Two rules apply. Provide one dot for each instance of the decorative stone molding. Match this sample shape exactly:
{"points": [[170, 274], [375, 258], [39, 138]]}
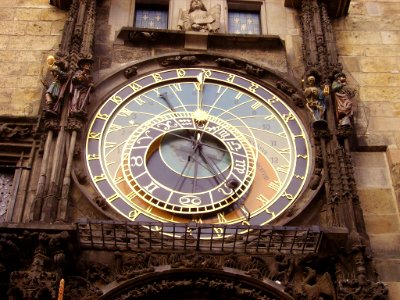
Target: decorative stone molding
{"points": [[335, 8]]}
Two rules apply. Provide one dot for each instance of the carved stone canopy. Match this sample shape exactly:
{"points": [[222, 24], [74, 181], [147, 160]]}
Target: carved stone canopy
{"points": [[336, 8]]}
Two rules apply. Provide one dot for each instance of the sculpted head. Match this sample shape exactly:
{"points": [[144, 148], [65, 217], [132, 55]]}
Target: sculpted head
{"points": [[311, 80], [196, 5]]}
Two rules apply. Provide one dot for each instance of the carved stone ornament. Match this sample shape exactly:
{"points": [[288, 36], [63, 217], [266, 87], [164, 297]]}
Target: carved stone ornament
{"points": [[178, 60], [198, 18], [51, 124], [76, 122], [296, 98], [14, 131], [129, 72], [40, 279]]}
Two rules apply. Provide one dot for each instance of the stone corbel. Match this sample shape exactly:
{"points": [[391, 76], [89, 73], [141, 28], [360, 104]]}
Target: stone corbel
{"points": [[61, 4]]}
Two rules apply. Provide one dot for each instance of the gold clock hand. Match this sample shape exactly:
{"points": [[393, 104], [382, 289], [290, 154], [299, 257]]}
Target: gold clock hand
{"points": [[200, 79], [190, 156], [213, 167]]}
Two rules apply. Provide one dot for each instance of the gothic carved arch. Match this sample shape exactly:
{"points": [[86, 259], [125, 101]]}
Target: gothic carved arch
{"points": [[196, 284]]}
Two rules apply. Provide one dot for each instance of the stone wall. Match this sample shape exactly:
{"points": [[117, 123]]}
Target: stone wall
{"points": [[368, 41], [30, 30]]}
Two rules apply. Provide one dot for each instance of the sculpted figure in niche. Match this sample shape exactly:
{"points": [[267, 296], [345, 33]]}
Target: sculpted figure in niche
{"points": [[343, 96], [55, 91], [82, 83], [315, 98], [198, 18]]}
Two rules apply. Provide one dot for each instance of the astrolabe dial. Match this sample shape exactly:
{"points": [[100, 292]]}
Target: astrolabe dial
{"points": [[183, 166], [198, 144]]}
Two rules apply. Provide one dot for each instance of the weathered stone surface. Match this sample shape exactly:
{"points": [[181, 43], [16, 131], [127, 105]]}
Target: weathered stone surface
{"points": [[32, 3], [373, 9], [7, 14], [390, 37], [33, 43], [29, 31], [363, 22], [394, 290], [369, 160], [382, 109], [388, 93], [351, 64], [382, 50], [377, 79], [276, 26], [385, 245], [351, 50], [11, 3], [379, 64], [38, 28], [28, 14], [358, 37], [372, 178], [367, 139], [390, 8], [377, 201], [357, 8], [384, 123], [382, 224], [393, 154], [388, 270], [370, 170]]}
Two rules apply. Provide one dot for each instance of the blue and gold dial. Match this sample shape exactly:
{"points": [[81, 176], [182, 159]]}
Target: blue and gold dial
{"points": [[197, 144]]}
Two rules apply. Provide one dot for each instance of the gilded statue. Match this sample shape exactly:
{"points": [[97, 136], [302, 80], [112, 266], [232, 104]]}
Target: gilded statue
{"points": [[315, 99]]}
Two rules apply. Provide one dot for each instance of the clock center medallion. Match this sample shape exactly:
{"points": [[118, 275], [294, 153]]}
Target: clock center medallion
{"points": [[182, 147]]}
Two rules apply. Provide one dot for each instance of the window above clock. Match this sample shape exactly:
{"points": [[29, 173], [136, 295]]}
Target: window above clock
{"points": [[221, 16], [244, 17], [154, 16]]}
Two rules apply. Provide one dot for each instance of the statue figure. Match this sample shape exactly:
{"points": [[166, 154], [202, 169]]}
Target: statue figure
{"points": [[344, 104], [197, 18], [55, 91], [82, 83], [315, 99]]}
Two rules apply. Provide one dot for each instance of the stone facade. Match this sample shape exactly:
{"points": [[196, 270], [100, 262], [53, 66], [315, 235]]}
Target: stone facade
{"points": [[368, 43], [30, 31]]}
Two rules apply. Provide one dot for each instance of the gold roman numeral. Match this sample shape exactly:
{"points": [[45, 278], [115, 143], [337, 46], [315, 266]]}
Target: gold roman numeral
{"points": [[274, 185], [263, 199]]}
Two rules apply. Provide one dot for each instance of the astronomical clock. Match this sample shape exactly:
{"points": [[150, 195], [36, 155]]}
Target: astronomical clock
{"points": [[202, 145]]}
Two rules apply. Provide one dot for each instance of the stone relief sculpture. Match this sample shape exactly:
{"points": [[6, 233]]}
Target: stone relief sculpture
{"points": [[343, 100], [198, 18], [315, 99], [8, 131], [82, 83]]}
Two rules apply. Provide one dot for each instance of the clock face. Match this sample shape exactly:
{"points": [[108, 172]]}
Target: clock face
{"points": [[194, 144]]}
